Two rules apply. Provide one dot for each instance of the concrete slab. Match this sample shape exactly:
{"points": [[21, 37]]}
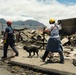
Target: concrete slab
{"points": [[64, 69], [63, 41]]}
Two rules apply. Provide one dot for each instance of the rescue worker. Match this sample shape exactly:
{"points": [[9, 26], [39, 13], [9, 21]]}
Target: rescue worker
{"points": [[9, 40], [54, 43]]}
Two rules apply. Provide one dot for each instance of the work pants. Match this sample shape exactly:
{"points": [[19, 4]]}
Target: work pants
{"points": [[60, 53], [10, 43]]}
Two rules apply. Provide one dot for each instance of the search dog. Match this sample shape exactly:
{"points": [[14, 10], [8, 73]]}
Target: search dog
{"points": [[31, 49]]}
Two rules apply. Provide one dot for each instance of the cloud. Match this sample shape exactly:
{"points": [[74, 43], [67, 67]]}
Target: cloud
{"points": [[40, 10]]}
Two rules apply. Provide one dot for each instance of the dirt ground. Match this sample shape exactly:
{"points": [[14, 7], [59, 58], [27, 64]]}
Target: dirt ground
{"points": [[18, 70]]}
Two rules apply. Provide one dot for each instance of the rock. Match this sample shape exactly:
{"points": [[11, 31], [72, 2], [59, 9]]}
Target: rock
{"points": [[74, 62], [23, 74], [64, 40], [75, 55], [72, 49], [13, 71]]}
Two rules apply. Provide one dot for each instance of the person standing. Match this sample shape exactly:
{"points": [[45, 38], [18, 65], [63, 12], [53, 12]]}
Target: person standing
{"points": [[9, 40], [54, 43]]}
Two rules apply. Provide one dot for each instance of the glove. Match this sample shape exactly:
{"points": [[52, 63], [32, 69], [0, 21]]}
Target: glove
{"points": [[4, 41]]}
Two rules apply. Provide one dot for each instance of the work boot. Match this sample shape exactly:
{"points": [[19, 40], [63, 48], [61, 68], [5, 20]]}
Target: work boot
{"points": [[16, 54], [42, 59], [61, 57], [62, 62], [4, 57]]}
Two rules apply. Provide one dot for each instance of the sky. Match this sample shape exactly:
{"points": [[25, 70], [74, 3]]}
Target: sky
{"points": [[40, 10]]}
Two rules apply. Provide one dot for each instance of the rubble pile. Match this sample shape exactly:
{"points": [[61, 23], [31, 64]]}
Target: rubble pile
{"points": [[35, 37], [69, 47], [69, 40]]}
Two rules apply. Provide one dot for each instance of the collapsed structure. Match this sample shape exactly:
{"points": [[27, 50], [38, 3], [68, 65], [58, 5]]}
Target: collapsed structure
{"points": [[68, 26]]}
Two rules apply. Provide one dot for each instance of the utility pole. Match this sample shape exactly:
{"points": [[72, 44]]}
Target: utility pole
{"points": [[1, 26]]}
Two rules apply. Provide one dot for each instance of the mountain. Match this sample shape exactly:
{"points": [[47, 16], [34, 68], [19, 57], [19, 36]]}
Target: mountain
{"points": [[28, 23], [2, 21], [33, 23], [18, 22]]}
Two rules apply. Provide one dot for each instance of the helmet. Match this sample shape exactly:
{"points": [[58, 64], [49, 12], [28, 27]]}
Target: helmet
{"points": [[9, 22], [52, 21]]}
